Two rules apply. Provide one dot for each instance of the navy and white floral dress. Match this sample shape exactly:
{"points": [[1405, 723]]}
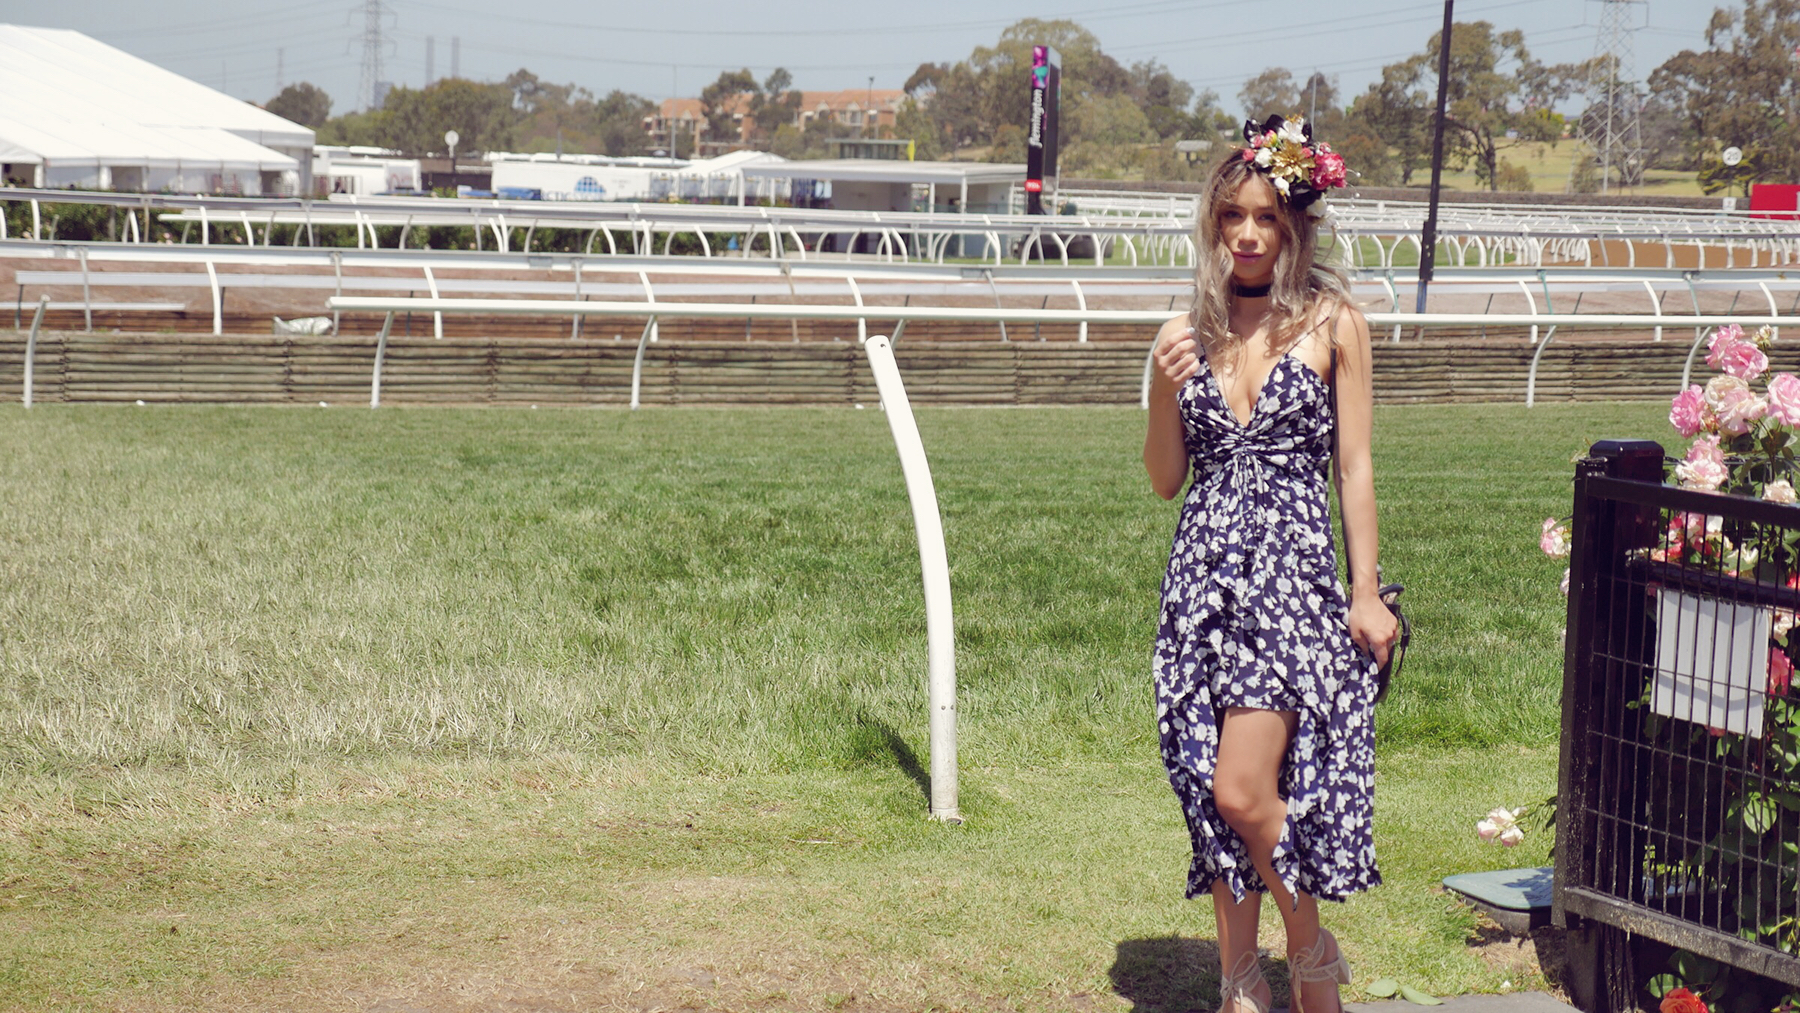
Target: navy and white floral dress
{"points": [[1253, 614]]}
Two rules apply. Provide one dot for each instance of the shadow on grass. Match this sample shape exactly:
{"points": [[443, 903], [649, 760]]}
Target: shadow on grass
{"points": [[904, 757], [1167, 974]]}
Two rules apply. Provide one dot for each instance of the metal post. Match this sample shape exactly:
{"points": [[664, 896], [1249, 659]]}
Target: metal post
{"points": [[87, 301], [940, 628], [218, 299], [997, 304], [862, 323], [1428, 237], [380, 356], [437, 318], [637, 365], [37, 320], [575, 325]]}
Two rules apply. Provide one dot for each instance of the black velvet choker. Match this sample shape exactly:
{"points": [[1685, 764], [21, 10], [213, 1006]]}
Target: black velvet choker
{"points": [[1250, 291]]}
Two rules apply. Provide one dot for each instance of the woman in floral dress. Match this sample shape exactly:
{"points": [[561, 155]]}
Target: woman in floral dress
{"points": [[1265, 666]]}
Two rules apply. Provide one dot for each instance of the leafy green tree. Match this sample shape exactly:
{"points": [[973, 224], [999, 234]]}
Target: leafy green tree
{"points": [[776, 103], [1499, 97], [719, 99], [1271, 91], [1162, 97], [617, 123], [303, 103], [915, 124], [1112, 131], [483, 114], [1387, 134], [370, 127], [1743, 90]]}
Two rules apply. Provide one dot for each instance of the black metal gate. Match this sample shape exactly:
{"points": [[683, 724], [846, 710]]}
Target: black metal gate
{"points": [[1679, 811]]}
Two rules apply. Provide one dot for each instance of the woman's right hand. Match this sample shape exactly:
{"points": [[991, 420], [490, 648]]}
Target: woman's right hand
{"points": [[1177, 357]]}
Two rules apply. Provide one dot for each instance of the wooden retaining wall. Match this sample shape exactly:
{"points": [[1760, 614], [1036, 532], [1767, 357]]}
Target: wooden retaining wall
{"points": [[77, 367]]}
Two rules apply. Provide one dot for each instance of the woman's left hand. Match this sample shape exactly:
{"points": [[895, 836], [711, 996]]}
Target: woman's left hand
{"points": [[1373, 627]]}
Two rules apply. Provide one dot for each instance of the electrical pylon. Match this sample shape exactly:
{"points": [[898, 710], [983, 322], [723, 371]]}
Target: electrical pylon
{"points": [[373, 47], [1611, 129]]}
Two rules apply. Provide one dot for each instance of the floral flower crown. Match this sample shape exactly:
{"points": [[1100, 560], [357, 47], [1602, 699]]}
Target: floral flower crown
{"points": [[1301, 170]]}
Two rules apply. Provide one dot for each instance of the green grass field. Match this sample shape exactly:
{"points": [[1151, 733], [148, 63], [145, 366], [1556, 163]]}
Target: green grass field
{"points": [[446, 709]]}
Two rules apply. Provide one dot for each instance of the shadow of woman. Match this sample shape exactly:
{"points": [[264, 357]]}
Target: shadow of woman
{"points": [[1171, 974]]}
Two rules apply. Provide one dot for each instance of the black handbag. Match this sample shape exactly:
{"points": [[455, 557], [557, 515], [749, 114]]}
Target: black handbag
{"points": [[1384, 676]]}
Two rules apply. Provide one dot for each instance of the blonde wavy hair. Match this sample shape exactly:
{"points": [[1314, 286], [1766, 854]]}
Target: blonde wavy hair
{"points": [[1305, 291]]}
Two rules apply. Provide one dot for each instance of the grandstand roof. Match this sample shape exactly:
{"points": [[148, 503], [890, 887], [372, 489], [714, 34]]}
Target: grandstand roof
{"points": [[74, 99]]}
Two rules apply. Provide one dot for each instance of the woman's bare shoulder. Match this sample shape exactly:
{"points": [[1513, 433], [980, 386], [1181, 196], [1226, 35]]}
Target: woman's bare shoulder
{"points": [[1347, 322]]}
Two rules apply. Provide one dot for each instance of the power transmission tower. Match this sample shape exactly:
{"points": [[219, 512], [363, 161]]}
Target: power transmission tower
{"points": [[1611, 125], [374, 47]]}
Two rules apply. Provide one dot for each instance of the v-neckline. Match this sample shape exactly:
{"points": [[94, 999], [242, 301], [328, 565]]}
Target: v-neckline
{"points": [[1219, 389]]}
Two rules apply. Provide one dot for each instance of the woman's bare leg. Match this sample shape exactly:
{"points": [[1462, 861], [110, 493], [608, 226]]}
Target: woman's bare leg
{"points": [[1246, 789], [1237, 921]]}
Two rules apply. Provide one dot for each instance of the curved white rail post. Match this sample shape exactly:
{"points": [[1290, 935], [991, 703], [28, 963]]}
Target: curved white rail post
{"points": [[87, 295], [1656, 306], [1149, 363], [437, 319], [1081, 301], [862, 323], [1530, 301], [380, 356], [37, 320], [650, 334], [218, 299], [940, 628], [1774, 310]]}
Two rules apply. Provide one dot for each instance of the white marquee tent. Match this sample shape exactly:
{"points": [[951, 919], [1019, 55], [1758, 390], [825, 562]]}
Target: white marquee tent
{"points": [[80, 113]]}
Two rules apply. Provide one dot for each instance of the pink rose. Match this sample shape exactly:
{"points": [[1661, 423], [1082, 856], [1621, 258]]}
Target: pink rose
{"points": [[1688, 414], [1328, 168], [1734, 404], [1784, 398], [1781, 672], [1249, 153], [1727, 352], [1554, 539], [1703, 469]]}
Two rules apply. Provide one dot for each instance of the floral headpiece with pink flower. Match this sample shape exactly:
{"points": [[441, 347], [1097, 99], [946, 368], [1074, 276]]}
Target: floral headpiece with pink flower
{"points": [[1300, 170]]}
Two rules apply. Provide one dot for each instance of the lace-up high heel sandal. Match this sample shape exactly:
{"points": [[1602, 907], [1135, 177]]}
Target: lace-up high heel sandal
{"points": [[1238, 985], [1310, 965]]}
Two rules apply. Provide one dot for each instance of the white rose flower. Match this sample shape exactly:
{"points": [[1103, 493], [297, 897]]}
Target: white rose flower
{"points": [[1281, 184], [1511, 836], [1265, 157], [1779, 491], [1291, 131]]}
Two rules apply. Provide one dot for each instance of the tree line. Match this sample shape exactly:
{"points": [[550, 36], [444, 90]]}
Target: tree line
{"points": [[1122, 120]]}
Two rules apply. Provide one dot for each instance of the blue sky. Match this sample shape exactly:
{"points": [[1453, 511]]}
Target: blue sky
{"points": [[674, 47]]}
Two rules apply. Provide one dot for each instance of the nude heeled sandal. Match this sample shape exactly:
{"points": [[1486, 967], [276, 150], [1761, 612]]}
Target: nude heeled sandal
{"points": [[1235, 985], [1310, 965]]}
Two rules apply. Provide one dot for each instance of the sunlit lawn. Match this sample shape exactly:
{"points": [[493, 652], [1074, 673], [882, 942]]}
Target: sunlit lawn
{"points": [[323, 709]]}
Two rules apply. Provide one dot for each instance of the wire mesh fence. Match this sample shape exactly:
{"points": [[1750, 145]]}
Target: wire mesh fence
{"points": [[1679, 815]]}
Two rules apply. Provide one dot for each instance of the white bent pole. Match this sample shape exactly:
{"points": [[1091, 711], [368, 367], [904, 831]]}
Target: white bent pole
{"points": [[37, 320], [940, 627], [387, 324]]}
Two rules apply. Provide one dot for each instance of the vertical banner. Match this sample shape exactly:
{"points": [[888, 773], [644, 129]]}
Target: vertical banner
{"points": [[1040, 137]]}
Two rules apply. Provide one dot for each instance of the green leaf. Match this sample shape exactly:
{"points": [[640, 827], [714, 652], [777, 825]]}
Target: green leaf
{"points": [[1418, 998], [1759, 813], [1694, 968], [1383, 989], [1662, 983]]}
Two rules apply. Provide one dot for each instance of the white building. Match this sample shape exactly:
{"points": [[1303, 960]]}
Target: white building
{"points": [[79, 113], [597, 177], [362, 170]]}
